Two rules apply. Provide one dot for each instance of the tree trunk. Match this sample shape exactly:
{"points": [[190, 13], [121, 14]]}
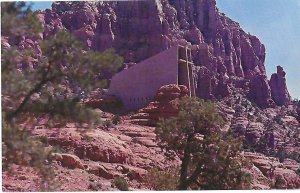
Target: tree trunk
{"points": [[183, 172], [183, 185]]}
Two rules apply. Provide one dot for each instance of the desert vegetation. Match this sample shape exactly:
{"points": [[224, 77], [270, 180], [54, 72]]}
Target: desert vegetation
{"points": [[46, 83], [210, 158]]}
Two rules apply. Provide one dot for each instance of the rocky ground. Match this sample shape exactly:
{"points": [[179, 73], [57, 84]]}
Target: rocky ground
{"points": [[89, 159], [96, 155]]}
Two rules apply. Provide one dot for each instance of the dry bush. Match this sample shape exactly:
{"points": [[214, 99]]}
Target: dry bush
{"points": [[166, 179]]}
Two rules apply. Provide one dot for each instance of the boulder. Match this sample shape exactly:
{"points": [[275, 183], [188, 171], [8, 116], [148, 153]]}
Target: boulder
{"points": [[67, 160], [164, 106], [134, 173], [102, 146], [102, 171]]}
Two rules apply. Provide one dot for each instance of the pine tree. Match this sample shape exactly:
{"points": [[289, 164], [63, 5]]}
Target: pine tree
{"points": [[50, 83], [210, 159]]}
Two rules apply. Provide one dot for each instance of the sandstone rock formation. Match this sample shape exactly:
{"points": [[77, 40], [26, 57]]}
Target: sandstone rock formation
{"points": [[205, 83], [271, 168], [127, 150], [219, 46], [165, 105], [67, 160], [260, 91], [278, 87], [140, 29]]}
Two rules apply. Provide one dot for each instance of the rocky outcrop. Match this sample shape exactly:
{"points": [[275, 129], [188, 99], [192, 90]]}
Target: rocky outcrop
{"points": [[127, 150], [272, 169], [278, 87], [260, 91], [254, 132], [205, 82], [165, 105], [104, 102], [140, 29], [67, 160]]}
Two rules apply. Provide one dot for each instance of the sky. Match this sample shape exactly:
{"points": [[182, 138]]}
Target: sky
{"points": [[41, 5], [275, 22]]}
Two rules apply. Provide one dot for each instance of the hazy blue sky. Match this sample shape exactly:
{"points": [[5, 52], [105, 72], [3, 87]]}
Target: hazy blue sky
{"points": [[41, 5], [275, 22]]}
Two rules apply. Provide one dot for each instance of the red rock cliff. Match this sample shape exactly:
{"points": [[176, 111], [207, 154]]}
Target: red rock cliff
{"points": [[140, 29]]}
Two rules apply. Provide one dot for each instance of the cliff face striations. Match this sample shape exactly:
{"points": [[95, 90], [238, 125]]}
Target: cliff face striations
{"points": [[225, 56]]}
